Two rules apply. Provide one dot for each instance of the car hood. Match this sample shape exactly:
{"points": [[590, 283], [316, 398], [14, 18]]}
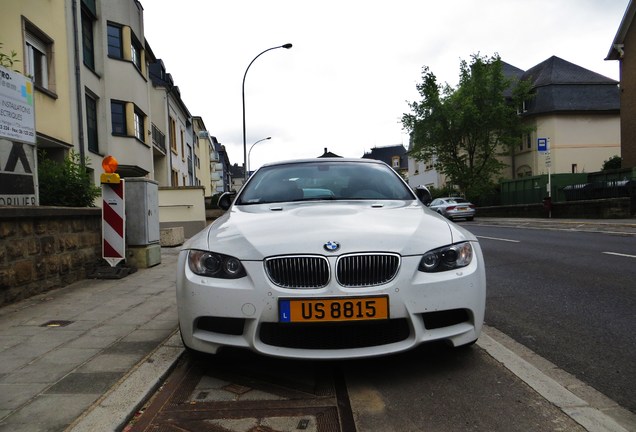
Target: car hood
{"points": [[253, 232]]}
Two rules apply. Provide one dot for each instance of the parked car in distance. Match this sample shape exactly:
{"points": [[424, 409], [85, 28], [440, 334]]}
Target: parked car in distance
{"points": [[328, 259], [454, 208]]}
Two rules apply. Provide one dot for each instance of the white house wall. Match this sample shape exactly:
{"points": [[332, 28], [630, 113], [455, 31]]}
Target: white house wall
{"points": [[582, 140]]}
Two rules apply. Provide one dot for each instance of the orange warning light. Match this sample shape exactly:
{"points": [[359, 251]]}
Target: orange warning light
{"points": [[109, 164]]}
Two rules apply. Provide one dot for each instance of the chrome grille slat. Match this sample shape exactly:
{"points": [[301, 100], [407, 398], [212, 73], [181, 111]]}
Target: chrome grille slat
{"points": [[298, 271], [360, 270], [352, 271]]}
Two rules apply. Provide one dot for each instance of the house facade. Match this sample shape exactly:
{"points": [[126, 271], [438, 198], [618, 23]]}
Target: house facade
{"points": [[36, 31], [623, 49], [395, 156], [576, 112], [423, 173], [100, 90]]}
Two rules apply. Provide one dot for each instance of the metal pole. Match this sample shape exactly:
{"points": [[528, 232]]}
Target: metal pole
{"points": [[286, 46], [250, 152]]}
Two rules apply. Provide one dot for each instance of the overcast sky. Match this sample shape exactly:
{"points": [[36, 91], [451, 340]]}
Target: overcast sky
{"points": [[354, 63]]}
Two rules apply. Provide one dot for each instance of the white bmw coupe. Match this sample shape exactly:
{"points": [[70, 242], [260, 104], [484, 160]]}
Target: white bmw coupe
{"points": [[326, 259]]}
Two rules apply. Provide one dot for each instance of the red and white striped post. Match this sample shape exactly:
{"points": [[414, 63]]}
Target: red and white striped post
{"points": [[113, 214]]}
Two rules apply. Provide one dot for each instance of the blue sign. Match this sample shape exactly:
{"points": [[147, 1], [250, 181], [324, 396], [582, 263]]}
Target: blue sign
{"points": [[542, 144]]}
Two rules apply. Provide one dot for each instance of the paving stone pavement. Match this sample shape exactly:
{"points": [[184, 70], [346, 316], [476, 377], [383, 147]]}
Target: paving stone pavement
{"points": [[62, 351]]}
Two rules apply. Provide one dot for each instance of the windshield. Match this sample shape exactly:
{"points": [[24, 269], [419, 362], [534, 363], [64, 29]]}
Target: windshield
{"points": [[305, 181], [456, 201]]}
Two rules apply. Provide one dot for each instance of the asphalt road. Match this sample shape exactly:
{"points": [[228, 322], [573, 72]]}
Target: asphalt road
{"points": [[566, 295], [569, 296]]}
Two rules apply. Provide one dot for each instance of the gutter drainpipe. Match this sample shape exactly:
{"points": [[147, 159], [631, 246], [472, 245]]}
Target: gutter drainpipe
{"points": [[78, 87]]}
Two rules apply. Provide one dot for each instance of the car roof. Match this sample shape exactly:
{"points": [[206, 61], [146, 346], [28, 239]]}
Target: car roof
{"points": [[325, 160]]}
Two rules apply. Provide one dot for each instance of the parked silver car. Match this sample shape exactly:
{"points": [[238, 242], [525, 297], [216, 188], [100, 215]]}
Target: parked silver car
{"points": [[454, 208]]}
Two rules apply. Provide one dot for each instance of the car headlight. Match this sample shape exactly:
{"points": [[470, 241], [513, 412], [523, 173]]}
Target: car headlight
{"points": [[447, 258], [215, 265]]}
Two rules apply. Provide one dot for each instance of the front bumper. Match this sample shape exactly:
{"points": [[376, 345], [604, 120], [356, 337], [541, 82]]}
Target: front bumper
{"points": [[423, 307]]}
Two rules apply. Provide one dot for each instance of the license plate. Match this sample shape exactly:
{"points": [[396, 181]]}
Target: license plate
{"points": [[333, 309], [462, 208]]}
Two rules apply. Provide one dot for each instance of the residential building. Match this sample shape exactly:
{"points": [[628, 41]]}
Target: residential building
{"points": [[224, 169], [395, 156], [624, 50], [37, 32], [100, 90], [117, 82], [237, 177], [160, 85], [214, 170], [203, 150], [576, 112], [328, 154], [424, 173]]}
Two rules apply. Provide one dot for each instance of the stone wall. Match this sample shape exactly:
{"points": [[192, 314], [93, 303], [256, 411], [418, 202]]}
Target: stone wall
{"points": [[42, 248]]}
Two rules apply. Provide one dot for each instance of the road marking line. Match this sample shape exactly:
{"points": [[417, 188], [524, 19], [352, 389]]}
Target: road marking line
{"points": [[619, 254], [499, 239], [585, 412]]}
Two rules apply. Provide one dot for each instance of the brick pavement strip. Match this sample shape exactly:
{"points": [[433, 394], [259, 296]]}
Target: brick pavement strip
{"points": [[99, 332]]}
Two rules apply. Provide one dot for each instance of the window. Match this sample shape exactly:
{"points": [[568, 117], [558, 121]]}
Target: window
{"points": [[135, 52], [118, 117], [173, 135], [575, 168], [524, 171], [88, 44], [523, 108], [91, 123], [115, 46], [38, 52], [90, 6], [138, 118], [175, 178], [183, 152], [395, 161], [528, 141]]}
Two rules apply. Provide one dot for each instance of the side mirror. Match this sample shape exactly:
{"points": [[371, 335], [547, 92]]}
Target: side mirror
{"points": [[424, 195], [226, 199]]}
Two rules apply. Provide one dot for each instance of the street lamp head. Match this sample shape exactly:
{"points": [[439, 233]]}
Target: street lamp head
{"points": [[287, 46]]}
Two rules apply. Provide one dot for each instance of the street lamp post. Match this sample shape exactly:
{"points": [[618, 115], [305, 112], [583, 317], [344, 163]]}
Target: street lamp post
{"points": [[250, 152], [286, 46]]}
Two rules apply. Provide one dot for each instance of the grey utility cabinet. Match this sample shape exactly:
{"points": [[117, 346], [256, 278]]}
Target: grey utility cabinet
{"points": [[142, 212]]}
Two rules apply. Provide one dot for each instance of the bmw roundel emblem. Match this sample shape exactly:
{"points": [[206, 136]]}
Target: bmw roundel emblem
{"points": [[332, 246]]}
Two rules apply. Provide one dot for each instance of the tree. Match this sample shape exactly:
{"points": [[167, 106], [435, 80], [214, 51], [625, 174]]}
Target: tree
{"points": [[465, 129], [615, 162]]}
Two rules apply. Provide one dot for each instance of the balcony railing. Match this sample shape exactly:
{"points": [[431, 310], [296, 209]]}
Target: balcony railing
{"points": [[158, 139]]}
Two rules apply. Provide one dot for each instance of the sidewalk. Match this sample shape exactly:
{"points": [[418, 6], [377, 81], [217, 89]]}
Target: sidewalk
{"points": [[62, 351]]}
